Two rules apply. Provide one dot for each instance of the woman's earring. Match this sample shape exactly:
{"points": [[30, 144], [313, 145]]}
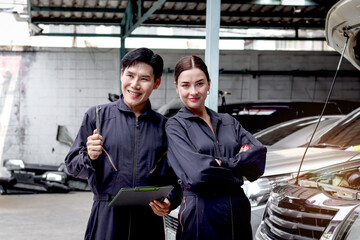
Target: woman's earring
{"points": [[208, 92]]}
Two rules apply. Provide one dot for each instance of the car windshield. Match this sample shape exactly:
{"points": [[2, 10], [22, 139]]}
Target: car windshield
{"points": [[345, 134], [274, 134], [296, 132]]}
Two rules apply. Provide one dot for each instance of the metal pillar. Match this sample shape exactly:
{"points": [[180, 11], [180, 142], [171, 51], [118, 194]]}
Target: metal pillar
{"points": [[212, 50], [122, 54]]}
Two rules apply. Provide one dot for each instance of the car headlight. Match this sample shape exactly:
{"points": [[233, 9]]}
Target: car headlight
{"points": [[54, 177], [350, 230], [14, 164], [258, 191]]}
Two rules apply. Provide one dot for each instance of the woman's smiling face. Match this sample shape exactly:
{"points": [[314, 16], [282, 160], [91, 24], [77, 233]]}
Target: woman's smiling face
{"points": [[192, 87]]}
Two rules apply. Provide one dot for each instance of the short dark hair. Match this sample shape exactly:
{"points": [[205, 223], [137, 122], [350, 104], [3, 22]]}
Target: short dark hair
{"points": [[190, 62], [147, 56]]}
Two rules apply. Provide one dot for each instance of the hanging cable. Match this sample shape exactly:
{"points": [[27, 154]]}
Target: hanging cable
{"points": [[323, 110]]}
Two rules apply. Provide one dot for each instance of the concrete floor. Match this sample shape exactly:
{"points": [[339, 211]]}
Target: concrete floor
{"points": [[44, 216], [55, 216]]}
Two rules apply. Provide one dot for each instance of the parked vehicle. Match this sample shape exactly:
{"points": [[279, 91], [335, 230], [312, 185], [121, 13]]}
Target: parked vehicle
{"points": [[171, 108], [335, 180], [255, 116], [324, 205], [327, 149], [19, 177], [282, 164], [258, 115], [295, 132]]}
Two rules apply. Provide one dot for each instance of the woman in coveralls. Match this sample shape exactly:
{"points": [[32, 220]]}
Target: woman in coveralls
{"points": [[129, 153], [210, 153]]}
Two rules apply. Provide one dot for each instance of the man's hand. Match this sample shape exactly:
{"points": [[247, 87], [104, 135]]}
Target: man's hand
{"points": [[94, 145], [160, 208]]}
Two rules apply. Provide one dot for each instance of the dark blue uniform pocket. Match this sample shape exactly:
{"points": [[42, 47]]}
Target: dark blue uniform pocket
{"points": [[205, 218]]}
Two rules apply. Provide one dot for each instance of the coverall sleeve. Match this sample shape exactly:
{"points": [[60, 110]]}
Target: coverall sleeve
{"points": [[77, 160], [198, 172], [250, 163]]}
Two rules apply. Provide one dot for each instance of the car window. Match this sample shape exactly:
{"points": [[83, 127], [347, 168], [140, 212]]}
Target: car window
{"points": [[256, 119], [346, 134], [274, 135]]}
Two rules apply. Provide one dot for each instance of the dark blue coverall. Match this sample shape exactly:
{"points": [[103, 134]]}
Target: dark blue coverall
{"points": [[214, 205], [136, 146]]}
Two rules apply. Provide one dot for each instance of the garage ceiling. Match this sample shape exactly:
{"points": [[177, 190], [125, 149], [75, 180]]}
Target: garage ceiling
{"points": [[270, 14]]}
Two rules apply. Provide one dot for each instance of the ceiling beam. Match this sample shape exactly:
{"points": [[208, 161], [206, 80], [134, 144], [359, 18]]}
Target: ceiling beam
{"points": [[289, 14], [75, 21], [241, 24], [267, 2], [249, 14], [181, 36], [186, 24], [77, 9], [143, 18]]}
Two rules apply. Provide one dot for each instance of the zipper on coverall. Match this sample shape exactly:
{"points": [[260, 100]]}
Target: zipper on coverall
{"points": [[134, 163], [230, 201]]}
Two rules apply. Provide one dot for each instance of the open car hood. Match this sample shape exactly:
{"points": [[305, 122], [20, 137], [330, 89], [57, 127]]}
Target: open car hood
{"points": [[345, 17], [287, 161]]}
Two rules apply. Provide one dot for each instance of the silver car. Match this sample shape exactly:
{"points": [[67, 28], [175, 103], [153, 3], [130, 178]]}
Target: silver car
{"points": [[295, 132], [325, 204], [282, 165]]}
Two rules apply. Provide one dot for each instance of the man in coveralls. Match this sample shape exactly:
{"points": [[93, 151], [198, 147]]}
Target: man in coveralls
{"points": [[130, 151]]}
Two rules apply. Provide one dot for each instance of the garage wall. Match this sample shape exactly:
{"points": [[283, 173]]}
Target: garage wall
{"points": [[311, 87], [43, 88], [244, 87], [53, 87]]}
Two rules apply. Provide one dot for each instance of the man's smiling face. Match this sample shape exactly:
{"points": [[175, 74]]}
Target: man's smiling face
{"points": [[137, 84]]}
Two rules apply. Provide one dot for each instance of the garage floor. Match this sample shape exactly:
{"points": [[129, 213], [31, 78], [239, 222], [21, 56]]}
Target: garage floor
{"points": [[54, 216], [44, 216]]}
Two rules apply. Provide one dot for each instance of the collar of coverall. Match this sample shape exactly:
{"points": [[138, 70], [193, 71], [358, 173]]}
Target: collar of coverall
{"points": [[123, 107], [186, 113]]}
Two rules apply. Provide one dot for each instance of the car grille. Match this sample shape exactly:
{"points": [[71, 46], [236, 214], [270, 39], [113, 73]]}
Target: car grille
{"points": [[292, 218], [171, 222]]}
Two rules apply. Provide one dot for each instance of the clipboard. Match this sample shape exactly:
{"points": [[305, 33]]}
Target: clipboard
{"points": [[139, 196]]}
